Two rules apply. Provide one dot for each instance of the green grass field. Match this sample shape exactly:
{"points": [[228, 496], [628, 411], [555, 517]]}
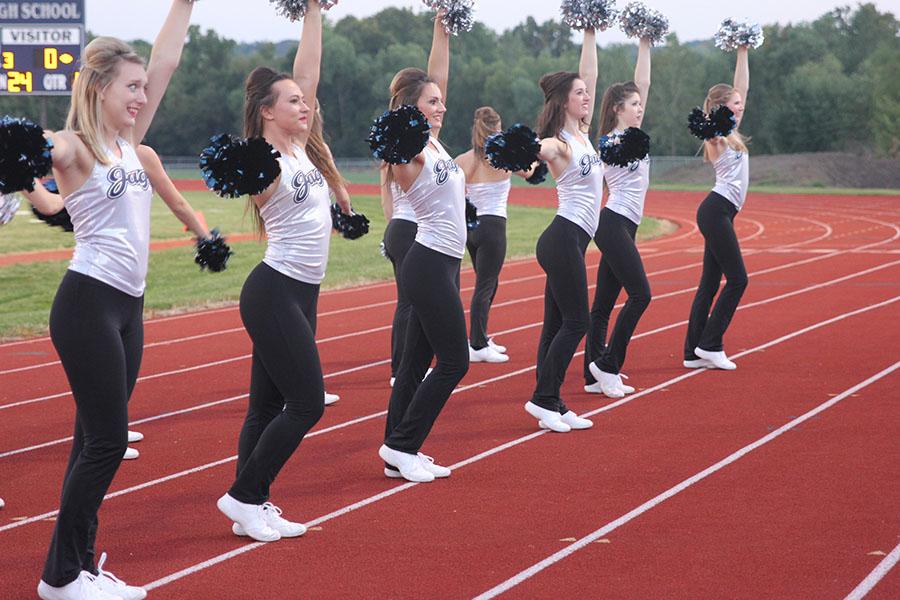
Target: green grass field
{"points": [[174, 281]]}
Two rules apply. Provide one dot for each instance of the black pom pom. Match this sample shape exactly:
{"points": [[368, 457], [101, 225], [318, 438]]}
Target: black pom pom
{"points": [[399, 135], [25, 154], [471, 215], [352, 226], [212, 252], [60, 219], [515, 149], [630, 146], [539, 175], [719, 122], [233, 167]]}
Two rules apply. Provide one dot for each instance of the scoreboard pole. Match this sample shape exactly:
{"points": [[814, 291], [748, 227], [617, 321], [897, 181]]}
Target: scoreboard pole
{"points": [[41, 42]]}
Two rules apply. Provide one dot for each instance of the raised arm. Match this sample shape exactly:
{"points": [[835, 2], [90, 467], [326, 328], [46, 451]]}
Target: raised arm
{"points": [[742, 73], [439, 57], [587, 67], [163, 186], [164, 59], [642, 71], [308, 60]]}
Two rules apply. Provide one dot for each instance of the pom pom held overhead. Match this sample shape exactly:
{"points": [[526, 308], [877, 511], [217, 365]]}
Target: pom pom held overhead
{"points": [[639, 21], [733, 34], [588, 14]]}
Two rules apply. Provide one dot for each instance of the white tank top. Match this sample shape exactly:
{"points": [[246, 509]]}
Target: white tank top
{"points": [[110, 214], [733, 176], [580, 186], [402, 208], [628, 188], [438, 197], [298, 221], [489, 198]]}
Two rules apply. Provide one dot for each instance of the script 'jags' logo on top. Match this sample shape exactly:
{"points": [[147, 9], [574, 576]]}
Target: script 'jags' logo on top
{"points": [[587, 163], [120, 180], [442, 170], [302, 183]]}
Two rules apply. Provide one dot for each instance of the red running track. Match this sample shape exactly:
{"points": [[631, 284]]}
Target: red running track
{"points": [[809, 513]]}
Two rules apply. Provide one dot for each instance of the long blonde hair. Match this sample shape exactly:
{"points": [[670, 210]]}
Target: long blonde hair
{"points": [[486, 122], [100, 66], [718, 95]]}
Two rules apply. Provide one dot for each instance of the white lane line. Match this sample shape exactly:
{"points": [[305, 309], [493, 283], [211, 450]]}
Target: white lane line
{"points": [[865, 586], [556, 557], [496, 450]]}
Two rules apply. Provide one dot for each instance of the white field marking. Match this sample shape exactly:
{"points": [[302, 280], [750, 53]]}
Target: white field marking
{"points": [[556, 557], [512, 330], [496, 450], [877, 574]]}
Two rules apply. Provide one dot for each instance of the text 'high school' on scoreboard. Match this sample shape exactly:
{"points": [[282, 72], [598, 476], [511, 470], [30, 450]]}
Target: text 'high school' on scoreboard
{"points": [[40, 46]]}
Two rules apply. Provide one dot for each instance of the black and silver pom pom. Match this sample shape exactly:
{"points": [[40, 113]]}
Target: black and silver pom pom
{"points": [[25, 154], [213, 252], [472, 221], [588, 14], [399, 135], [296, 9], [9, 204], [458, 16], [539, 175], [719, 123], [60, 219], [515, 149], [233, 166], [733, 34], [620, 150], [637, 20], [352, 226]]}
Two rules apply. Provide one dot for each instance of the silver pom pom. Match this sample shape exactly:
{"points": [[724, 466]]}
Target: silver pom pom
{"points": [[9, 204], [434, 4], [296, 9], [639, 21], [733, 34], [457, 14], [588, 14]]}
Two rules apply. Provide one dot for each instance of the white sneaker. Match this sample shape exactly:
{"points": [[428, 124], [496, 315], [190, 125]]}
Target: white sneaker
{"points": [[698, 363], [130, 454], [486, 354], [609, 382], [251, 517], [2, 503], [627, 389], [550, 418], [497, 347], [83, 588], [286, 528], [134, 436], [572, 420], [435, 469], [392, 473], [409, 465], [718, 359], [593, 388], [111, 584], [331, 398]]}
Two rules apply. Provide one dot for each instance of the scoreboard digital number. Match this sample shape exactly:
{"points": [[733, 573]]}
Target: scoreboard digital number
{"points": [[40, 46]]}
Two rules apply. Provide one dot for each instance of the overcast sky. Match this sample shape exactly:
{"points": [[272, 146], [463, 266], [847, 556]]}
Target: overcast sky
{"points": [[255, 20]]}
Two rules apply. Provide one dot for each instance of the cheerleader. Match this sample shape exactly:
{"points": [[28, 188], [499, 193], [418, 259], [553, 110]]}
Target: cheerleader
{"points": [[622, 107], [434, 186], [563, 126], [703, 346], [96, 319], [279, 298]]}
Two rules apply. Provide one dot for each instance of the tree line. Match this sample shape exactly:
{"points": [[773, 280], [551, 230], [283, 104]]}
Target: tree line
{"points": [[832, 84]]}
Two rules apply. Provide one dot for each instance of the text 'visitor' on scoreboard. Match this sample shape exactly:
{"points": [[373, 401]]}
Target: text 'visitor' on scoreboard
{"points": [[40, 46]]}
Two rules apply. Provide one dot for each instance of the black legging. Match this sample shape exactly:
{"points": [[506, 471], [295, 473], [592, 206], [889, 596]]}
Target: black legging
{"points": [[286, 388], [98, 332], [399, 236], [487, 247], [437, 327], [721, 254], [620, 266], [560, 252]]}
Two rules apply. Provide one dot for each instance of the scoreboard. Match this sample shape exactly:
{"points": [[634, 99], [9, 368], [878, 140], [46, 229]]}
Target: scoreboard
{"points": [[40, 46]]}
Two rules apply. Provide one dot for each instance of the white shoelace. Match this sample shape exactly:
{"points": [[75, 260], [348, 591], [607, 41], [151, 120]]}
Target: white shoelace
{"points": [[101, 574]]}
